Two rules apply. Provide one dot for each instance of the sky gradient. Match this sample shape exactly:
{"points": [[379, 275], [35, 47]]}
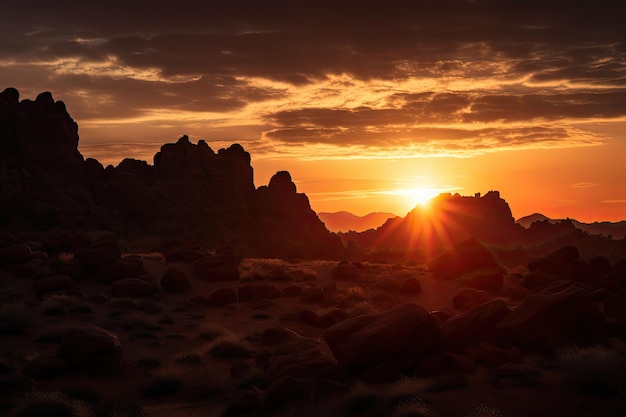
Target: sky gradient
{"points": [[369, 106]]}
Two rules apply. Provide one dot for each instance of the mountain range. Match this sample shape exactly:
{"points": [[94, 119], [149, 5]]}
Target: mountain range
{"points": [[51, 193], [615, 230], [344, 221]]}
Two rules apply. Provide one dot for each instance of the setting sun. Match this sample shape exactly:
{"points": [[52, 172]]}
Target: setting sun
{"points": [[421, 196]]}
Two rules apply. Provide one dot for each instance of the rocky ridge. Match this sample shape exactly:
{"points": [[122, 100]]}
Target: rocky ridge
{"points": [[190, 191]]}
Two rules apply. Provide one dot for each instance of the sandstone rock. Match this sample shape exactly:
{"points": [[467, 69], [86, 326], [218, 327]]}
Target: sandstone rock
{"points": [[309, 317], [469, 298], [129, 267], [345, 272], [312, 295], [216, 268], [411, 286], [278, 335], [333, 317], [403, 335], [175, 281], [101, 252], [473, 326], [92, 349], [564, 263], [54, 283], [466, 257], [487, 282], [222, 297], [552, 319], [140, 287]]}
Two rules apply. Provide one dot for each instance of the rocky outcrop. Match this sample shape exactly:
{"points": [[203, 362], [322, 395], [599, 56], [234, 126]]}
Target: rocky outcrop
{"points": [[190, 191], [402, 335]]}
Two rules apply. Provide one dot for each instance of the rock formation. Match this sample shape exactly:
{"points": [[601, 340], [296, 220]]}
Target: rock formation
{"points": [[190, 192]]}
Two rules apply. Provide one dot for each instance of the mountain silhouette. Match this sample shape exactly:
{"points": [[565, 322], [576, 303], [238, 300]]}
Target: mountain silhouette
{"points": [[189, 192], [614, 230], [344, 221]]}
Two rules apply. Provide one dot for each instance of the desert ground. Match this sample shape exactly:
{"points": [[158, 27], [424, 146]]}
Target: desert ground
{"points": [[254, 344]]}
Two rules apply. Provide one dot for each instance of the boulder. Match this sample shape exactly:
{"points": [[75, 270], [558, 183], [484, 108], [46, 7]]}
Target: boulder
{"points": [[469, 298], [345, 272], [487, 282], [466, 257], [216, 268], [93, 350], [175, 281], [473, 326], [101, 252], [403, 334], [552, 319], [141, 287], [54, 283]]}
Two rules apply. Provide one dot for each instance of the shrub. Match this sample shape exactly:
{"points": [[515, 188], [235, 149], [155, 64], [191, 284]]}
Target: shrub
{"points": [[485, 411], [413, 407], [595, 370], [51, 404]]}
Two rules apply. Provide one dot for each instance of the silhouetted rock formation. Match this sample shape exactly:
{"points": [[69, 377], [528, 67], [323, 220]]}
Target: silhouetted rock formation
{"points": [[447, 221], [190, 191]]}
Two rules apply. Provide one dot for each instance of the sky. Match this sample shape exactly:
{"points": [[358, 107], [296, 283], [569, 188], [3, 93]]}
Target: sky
{"points": [[371, 106]]}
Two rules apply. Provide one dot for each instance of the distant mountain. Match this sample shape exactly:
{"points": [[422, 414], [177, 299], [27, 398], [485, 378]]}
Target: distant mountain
{"points": [[526, 221], [616, 230], [343, 221]]}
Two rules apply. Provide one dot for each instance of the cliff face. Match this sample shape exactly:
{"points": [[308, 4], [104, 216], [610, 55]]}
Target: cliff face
{"points": [[190, 191]]}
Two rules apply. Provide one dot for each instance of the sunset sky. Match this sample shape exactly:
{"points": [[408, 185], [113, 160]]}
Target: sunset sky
{"points": [[370, 105]]}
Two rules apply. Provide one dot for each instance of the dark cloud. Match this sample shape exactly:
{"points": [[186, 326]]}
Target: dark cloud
{"points": [[497, 62], [300, 41]]}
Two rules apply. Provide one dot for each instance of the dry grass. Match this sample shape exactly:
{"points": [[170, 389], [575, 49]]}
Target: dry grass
{"points": [[595, 370], [55, 404]]}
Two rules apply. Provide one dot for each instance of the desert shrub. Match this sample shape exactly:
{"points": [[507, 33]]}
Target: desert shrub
{"points": [[413, 407], [15, 318], [116, 409], [360, 399], [51, 404], [483, 410], [595, 370]]}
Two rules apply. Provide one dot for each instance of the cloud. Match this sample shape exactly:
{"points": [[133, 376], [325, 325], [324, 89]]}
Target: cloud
{"points": [[433, 77], [584, 185]]}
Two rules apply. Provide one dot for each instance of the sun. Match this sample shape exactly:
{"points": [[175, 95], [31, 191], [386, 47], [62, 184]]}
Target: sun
{"points": [[420, 196]]}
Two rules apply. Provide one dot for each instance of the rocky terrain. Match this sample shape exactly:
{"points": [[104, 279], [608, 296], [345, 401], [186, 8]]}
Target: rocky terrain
{"points": [[190, 192], [181, 289]]}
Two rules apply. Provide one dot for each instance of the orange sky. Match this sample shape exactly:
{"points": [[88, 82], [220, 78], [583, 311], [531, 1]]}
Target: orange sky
{"points": [[361, 103]]}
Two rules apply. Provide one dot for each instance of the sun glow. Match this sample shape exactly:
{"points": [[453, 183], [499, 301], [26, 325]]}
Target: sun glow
{"points": [[420, 196]]}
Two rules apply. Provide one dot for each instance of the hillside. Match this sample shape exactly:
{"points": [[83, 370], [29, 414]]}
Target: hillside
{"points": [[343, 221]]}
